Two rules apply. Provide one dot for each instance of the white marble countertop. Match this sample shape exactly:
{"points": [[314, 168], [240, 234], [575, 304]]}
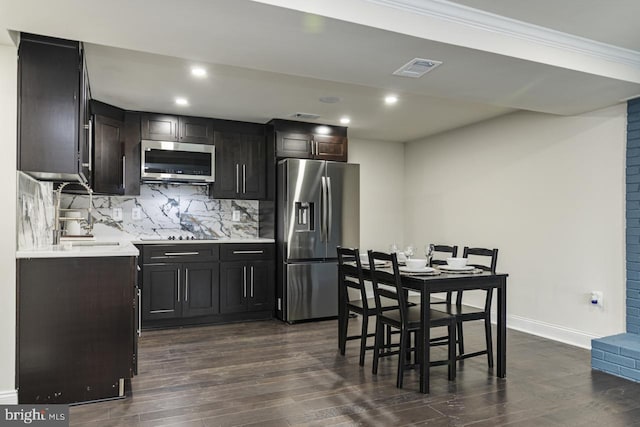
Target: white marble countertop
{"points": [[178, 242], [81, 249]]}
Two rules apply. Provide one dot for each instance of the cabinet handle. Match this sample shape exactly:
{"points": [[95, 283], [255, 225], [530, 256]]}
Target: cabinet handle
{"points": [[244, 178], [244, 280], [248, 252], [89, 164], [178, 284], [139, 311], [251, 281], [237, 178], [186, 285], [313, 144], [179, 254], [124, 172]]}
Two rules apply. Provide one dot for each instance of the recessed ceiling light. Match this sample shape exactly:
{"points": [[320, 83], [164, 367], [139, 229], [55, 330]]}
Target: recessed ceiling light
{"points": [[198, 72], [390, 99], [182, 101], [345, 120]]}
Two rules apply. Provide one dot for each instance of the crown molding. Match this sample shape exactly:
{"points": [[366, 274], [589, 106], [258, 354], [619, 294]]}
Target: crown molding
{"points": [[486, 21]]}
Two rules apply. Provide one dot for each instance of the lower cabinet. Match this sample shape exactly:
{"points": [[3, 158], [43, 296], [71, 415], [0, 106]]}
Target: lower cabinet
{"points": [[195, 283], [76, 328], [180, 290], [246, 286]]}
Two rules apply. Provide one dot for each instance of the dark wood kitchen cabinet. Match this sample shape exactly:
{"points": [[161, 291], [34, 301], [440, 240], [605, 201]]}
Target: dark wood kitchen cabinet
{"points": [[179, 281], [163, 127], [53, 125], [247, 278], [76, 328], [240, 166], [309, 140], [109, 159]]}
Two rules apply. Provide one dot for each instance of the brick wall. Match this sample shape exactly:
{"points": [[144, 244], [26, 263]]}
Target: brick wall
{"points": [[633, 216], [620, 354]]}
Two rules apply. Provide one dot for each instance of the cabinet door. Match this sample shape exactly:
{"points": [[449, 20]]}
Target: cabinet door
{"points": [[48, 102], [201, 289], [197, 130], [161, 293], [296, 145], [85, 136], [233, 287], [228, 151], [330, 147], [253, 167], [261, 285], [108, 167], [159, 127]]}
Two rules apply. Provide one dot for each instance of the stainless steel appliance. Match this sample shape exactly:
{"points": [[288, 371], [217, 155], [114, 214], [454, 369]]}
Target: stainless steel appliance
{"points": [[177, 161], [318, 209]]}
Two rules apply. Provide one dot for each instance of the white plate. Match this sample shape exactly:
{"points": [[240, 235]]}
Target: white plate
{"points": [[417, 270], [450, 268], [378, 263]]}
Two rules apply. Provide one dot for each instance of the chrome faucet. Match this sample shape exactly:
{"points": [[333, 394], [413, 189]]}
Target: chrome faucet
{"points": [[57, 230]]}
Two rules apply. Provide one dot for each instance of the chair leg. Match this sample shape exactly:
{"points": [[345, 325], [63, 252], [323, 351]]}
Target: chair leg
{"points": [[376, 346], [487, 329], [343, 326], [401, 358], [363, 337], [460, 339], [452, 351]]}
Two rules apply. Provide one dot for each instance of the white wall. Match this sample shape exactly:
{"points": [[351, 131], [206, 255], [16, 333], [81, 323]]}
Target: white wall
{"points": [[381, 192], [8, 97], [549, 192]]}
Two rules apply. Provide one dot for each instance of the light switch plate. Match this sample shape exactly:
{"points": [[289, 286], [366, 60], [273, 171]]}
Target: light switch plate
{"points": [[235, 216], [136, 214], [117, 214]]}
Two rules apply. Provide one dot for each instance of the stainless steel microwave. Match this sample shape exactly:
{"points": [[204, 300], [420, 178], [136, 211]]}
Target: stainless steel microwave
{"points": [[177, 161]]}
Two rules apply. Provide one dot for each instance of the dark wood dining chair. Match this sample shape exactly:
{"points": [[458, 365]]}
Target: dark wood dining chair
{"points": [[466, 313], [387, 285], [443, 252], [351, 277]]}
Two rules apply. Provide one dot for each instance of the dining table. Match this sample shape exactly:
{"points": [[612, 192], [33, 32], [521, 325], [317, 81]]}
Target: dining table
{"points": [[441, 281]]}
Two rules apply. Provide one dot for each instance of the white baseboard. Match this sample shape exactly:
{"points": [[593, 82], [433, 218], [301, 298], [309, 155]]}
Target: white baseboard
{"points": [[9, 397], [550, 331]]}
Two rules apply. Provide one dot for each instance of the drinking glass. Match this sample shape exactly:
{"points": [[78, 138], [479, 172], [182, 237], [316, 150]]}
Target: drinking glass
{"points": [[393, 248], [409, 251], [428, 252]]}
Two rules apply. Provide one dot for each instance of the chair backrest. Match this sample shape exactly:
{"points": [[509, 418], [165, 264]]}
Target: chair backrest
{"points": [[350, 274], [490, 258], [443, 252], [386, 281]]}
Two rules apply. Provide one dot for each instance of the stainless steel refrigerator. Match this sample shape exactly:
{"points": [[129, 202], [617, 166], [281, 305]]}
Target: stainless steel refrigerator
{"points": [[318, 209]]}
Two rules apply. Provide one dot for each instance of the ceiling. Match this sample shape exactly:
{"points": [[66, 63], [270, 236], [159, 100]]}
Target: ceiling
{"points": [[265, 61]]}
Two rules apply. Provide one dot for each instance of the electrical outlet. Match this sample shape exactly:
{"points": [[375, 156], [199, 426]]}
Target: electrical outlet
{"points": [[136, 214], [596, 299], [117, 214], [235, 217]]}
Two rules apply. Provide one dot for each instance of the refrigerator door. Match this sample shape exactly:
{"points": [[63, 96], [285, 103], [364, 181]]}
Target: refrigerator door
{"points": [[312, 291], [343, 206], [300, 206]]}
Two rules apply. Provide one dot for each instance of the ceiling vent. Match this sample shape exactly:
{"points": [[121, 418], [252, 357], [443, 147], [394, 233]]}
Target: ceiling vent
{"points": [[417, 67], [305, 116]]}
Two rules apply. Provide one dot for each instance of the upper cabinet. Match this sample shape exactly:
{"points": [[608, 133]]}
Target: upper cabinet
{"points": [[109, 159], [53, 125], [309, 140], [162, 127], [240, 161]]}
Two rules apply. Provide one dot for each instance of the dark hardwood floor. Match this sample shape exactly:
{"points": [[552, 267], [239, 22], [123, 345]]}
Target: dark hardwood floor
{"points": [[273, 374]]}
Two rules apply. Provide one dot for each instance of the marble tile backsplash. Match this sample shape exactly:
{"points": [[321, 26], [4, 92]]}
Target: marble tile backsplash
{"points": [[166, 210], [169, 209], [35, 212]]}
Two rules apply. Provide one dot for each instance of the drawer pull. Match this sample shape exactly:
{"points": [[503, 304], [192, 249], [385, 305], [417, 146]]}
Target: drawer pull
{"points": [[160, 311], [248, 252], [180, 253]]}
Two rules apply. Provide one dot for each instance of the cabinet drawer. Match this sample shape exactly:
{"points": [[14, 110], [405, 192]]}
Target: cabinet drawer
{"points": [[246, 251], [153, 254]]}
